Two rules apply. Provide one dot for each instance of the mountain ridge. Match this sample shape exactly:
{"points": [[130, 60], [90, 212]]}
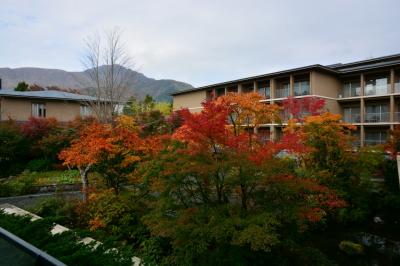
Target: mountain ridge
{"points": [[138, 84]]}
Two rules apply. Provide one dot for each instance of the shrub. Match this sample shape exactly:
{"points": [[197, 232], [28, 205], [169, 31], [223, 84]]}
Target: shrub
{"points": [[351, 248], [39, 165], [17, 186], [65, 246], [14, 148]]}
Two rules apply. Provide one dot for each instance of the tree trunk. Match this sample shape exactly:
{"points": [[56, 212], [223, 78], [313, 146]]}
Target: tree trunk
{"points": [[398, 168], [85, 182]]}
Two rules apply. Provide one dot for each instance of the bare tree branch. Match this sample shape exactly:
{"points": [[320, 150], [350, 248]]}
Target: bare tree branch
{"points": [[106, 61]]}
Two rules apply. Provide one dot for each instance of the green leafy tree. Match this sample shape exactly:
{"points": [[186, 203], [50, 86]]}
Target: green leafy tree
{"points": [[14, 149], [220, 188], [22, 86]]}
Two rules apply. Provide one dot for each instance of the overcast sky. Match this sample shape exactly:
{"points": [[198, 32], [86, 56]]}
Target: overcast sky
{"points": [[201, 41]]}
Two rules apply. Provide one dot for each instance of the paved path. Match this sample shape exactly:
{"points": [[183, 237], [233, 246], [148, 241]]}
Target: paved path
{"points": [[29, 201]]}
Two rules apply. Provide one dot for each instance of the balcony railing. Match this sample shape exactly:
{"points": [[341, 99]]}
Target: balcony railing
{"points": [[282, 93], [376, 117], [372, 142], [354, 92], [376, 89], [352, 118]]}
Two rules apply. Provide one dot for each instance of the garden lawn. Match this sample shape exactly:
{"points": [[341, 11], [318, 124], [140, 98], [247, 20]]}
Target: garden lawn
{"points": [[26, 182]]}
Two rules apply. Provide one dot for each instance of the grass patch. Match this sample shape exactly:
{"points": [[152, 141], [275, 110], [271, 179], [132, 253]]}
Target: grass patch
{"points": [[26, 182]]}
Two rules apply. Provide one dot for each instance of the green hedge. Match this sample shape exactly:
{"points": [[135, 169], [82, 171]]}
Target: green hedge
{"points": [[63, 246]]}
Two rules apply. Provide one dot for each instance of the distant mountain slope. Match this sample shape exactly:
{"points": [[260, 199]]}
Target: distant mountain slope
{"points": [[139, 84]]}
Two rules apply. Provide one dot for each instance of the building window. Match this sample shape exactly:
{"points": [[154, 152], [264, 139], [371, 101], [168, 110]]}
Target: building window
{"points": [[264, 89], [220, 92], [301, 88], [377, 113], [247, 88], [85, 110], [283, 90], [351, 89], [38, 110], [351, 114], [375, 137], [397, 82]]}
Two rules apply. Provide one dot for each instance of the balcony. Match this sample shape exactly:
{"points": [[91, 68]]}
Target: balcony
{"points": [[373, 142], [376, 90], [377, 117], [378, 85], [351, 89], [302, 88], [284, 116], [282, 92], [352, 118], [397, 87]]}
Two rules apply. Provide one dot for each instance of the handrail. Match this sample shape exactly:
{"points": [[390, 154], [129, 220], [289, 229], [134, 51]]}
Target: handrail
{"points": [[42, 258]]}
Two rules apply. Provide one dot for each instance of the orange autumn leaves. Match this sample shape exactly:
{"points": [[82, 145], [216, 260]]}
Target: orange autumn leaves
{"points": [[223, 132], [99, 139]]}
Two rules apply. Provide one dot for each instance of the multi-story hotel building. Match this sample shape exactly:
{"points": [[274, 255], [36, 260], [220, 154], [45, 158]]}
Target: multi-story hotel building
{"points": [[366, 93]]}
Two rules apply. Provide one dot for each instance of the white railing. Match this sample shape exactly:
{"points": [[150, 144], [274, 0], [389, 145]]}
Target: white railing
{"points": [[376, 117]]}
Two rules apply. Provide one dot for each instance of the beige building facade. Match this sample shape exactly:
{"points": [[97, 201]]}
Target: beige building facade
{"points": [[366, 93], [63, 106]]}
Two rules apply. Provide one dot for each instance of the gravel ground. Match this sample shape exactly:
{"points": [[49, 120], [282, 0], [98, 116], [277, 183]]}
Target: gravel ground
{"points": [[30, 201]]}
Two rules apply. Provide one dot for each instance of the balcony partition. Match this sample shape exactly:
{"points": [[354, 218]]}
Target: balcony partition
{"points": [[377, 86], [351, 89]]}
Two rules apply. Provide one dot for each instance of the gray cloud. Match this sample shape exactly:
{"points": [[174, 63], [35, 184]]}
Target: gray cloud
{"points": [[201, 42]]}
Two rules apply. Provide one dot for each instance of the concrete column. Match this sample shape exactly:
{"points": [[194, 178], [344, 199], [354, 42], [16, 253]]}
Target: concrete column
{"points": [[362, 110], [391, 111], [311, 83], [255, 130], [214, 92], [226, 90], [272, 133], [362, 136], [255, 86], [362, 84], [291, 92], [392, 107], [239, 88], [272, 85], [392, 77]]}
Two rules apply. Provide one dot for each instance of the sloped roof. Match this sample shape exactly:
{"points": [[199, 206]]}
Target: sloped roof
{"points": [[338, 69], [48, 94]]}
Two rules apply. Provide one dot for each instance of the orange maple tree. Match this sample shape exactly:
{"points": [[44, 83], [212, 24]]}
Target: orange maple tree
{"points": [[113, 149]]}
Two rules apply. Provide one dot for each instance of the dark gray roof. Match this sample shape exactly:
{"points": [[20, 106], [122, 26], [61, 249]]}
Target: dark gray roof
{"points": [[372, 65], [266, 76], [47, 94]]}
